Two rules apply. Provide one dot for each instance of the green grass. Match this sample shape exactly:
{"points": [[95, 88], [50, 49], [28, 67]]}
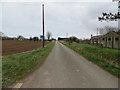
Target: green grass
{"points": [[0, 72], [106, 58], [17, 66]]}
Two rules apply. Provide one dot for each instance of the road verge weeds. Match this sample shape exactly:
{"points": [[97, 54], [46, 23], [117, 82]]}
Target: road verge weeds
{"points": [[99, 55], [17, 66]]}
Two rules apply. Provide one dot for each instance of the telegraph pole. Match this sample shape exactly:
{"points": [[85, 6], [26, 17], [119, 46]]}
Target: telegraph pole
{"points": [[43, 23]]}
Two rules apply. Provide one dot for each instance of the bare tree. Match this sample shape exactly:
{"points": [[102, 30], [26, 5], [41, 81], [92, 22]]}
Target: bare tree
{"points": [[49, 35], [109, 29], [106, 29], [101, 31]]}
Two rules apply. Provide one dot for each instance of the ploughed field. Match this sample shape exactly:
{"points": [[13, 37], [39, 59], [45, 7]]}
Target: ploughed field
{"points": [[13, 46]]}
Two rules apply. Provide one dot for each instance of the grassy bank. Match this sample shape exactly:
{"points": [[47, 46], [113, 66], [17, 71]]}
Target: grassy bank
{"points": [[106, 58], [15, 67], [0, 72]]}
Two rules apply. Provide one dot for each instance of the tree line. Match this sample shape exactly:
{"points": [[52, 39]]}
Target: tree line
{"points": [[21, 38]]}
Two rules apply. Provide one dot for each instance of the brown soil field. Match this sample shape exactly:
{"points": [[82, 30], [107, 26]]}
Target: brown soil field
{"points": [[13, 46]]}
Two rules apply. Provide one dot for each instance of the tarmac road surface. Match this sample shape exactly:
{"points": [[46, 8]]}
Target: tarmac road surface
{"points": [[65, 68]]}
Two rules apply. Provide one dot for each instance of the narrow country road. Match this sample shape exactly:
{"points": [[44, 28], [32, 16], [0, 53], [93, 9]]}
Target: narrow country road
{"points": [[64, 68]]}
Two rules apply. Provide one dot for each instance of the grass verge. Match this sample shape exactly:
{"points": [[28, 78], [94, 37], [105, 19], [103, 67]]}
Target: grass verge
{"points": [[17, 66], [99, 55]]}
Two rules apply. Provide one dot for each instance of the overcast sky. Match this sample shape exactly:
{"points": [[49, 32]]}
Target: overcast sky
{"points": [[75, 18]]}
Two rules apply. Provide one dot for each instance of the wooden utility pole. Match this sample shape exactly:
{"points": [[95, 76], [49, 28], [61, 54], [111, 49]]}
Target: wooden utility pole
{"points": [[43, 23]]}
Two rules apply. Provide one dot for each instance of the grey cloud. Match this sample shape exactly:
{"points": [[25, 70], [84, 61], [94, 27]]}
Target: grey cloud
{"points": [[76, 19]]}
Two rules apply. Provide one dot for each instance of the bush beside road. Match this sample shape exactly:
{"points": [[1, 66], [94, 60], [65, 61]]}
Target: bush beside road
{"points": [[17, 66]]}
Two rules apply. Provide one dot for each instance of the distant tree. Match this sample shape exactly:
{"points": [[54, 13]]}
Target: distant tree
{"points": [[73, 39], [52, 38], [49, 35], [109, 29], [20, 37], [2, 34], [35, 38], [30, 38], [106, 29]]}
